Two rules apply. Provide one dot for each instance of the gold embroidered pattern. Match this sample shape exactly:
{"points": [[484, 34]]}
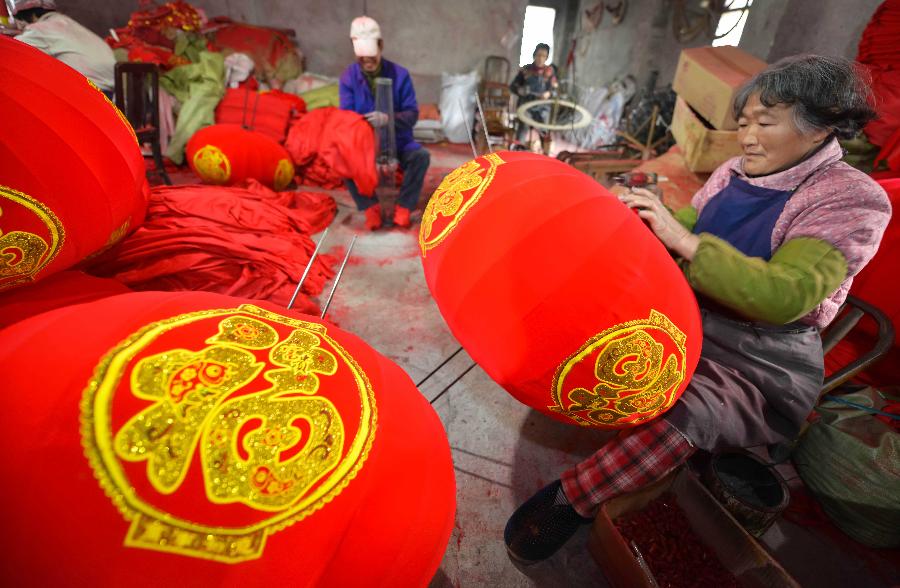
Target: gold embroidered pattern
{"points": [[284, 174], [636, 368], [116, 109], [278, 445], [212, 164], [23, 254], [449, 203]]}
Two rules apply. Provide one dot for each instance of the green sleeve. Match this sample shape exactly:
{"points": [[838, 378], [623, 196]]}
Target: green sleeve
{"points": [[687, 216], [800, 275]]}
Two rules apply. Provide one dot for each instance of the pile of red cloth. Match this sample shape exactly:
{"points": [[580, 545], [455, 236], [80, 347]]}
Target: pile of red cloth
{"points": [[879, 50], [269, 113], [328, 145], [274, 54], [249, 242], [148, 36]]}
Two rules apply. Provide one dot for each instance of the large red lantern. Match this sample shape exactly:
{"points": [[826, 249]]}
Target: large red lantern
{"points": [[194, 438], [229, 154], [559, 291], [71, 174]]}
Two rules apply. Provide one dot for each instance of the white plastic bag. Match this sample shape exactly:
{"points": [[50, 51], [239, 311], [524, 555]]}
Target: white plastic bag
{"points": [[458, 104]]}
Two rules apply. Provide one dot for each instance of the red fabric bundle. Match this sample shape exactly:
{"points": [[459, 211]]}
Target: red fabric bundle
{"points": [[148, 38], [230, 154], [71, 174], [271, 50], [559, 291], [238, 241], [880, 51], [268, 113], [172, 439], [878, 284], [329, 144]]}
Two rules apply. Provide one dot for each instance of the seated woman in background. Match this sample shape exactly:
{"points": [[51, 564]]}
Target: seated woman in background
{"points": [[535, 81], [770, 245]]}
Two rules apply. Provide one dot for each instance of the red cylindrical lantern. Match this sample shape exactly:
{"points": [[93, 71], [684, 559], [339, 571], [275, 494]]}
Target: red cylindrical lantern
{"points": [[177, 438], [559, 291], [71, 174], [229, 154]]}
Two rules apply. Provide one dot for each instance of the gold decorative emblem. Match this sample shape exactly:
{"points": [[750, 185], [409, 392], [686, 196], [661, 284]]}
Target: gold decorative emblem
{"points": [[36, 237], [284, 174], [212, 164], [209, 448], [626, 375], [459, 191], [121, 114]]}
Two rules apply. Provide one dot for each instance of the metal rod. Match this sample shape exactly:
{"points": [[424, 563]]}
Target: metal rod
{"points": [[337, 278], [483, 122], [462, 109], [309, 264], [450, 385], [434, 371]]}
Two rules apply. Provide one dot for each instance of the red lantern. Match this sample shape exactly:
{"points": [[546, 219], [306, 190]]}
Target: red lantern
{"points": [[559, 291], [171, 438], [229, 154], [71, 173]]}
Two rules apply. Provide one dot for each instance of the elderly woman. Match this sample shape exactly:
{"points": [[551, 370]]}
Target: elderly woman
{"points": [[535, 81], [770, 245]]}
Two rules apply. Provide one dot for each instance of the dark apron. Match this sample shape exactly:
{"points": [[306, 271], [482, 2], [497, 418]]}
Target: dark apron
{"points": [[755, 383]]}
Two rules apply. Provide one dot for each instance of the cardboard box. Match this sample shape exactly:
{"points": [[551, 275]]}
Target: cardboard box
{"points": [[709, 77], [750, 563], [703, 147]]}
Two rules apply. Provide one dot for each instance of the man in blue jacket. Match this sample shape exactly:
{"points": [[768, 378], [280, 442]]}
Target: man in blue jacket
{"points": [[357, 93]]}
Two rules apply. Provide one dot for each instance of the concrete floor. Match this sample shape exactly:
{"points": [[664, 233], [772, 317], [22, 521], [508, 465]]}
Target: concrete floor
{"points": [[503, 451]]}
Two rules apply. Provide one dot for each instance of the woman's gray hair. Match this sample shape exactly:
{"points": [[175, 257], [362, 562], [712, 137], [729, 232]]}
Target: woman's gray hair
{"points": [[829, 93]]}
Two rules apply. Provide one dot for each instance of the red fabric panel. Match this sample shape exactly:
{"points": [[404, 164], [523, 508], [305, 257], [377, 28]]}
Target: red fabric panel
{"points": [[879, 50], [238, 241], [62, 289], [229, 154], [267, 47], [68, 530], [266, 112], [329, 144], [878, 284], [545, 261], [72, 172]]}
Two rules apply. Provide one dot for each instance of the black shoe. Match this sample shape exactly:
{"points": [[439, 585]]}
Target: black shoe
{"points": [[541, 526]]}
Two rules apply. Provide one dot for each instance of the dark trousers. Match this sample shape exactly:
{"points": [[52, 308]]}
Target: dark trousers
{"points": [[414, 165]]}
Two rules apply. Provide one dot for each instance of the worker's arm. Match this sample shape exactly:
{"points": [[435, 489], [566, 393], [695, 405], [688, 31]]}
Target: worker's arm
{"points": [[798, 277], [518, 84], [407, 112], [345, 92]]}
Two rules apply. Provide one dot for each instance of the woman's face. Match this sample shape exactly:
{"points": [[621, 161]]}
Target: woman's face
{"points": [[540, 57], [769, 138]]}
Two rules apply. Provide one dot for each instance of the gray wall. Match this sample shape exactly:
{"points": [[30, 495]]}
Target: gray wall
{"points": [[432, 36]]}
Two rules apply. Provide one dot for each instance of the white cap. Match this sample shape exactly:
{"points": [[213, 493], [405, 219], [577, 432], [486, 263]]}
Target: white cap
{"points": [[365, 33]]}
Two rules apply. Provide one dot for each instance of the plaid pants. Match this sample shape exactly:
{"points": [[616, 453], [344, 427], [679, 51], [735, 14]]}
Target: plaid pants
{"points": [[626, 463]]}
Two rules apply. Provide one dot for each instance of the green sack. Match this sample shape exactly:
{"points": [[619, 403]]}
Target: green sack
{"points": [[198, 87], [322, 97], [851, 462]]}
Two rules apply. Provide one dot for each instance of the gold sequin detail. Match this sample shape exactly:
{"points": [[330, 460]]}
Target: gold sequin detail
{"points": [[212, 164], [451, 202], [284, 174], [24, 254], [637, 377], [201, 402]]}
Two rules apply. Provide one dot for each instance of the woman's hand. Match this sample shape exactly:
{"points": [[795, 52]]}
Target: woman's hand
{"points": [[672, 233]]}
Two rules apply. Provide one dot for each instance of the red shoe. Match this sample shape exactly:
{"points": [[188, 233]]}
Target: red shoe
{"points": [[373, 217], [401, 217]]}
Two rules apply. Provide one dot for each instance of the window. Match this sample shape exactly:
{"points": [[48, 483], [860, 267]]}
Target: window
{"points": [[538, 28], [731, 23]]}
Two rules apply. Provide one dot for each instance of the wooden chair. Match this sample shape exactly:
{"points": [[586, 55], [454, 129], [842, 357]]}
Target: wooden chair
{"points": [[137, 96]]}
